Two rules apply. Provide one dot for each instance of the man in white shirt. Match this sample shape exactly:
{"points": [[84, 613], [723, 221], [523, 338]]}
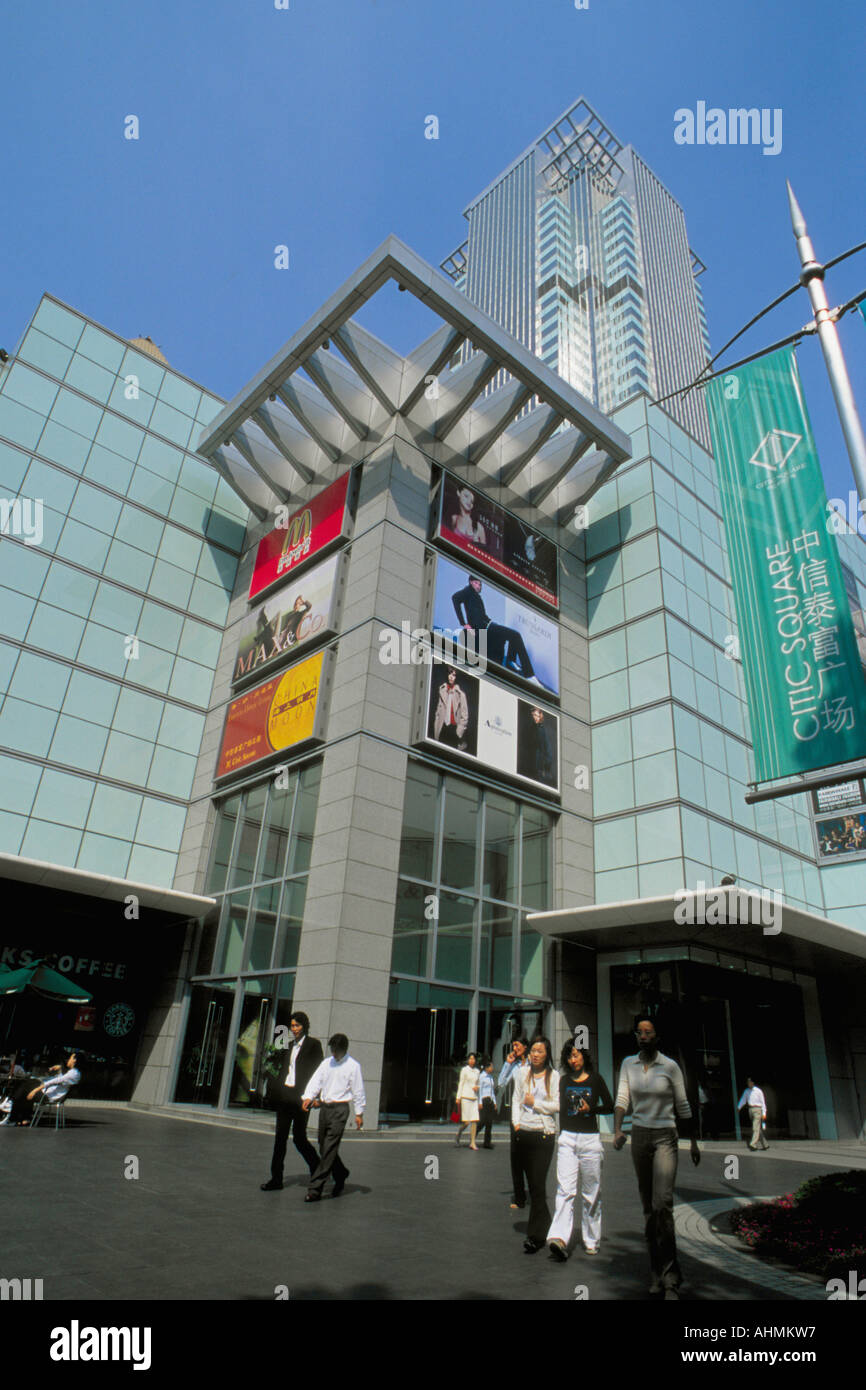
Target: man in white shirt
{"points": [[753, 1096], [337, 1081]]}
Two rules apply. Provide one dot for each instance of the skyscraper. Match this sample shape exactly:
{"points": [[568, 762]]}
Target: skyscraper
{"points": [[581, 253]]}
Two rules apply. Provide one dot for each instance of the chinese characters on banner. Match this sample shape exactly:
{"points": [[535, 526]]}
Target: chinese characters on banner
{"points": [[806, 693]]}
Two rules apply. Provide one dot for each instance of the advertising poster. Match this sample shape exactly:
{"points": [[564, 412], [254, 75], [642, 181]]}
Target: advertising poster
{"points": [[484, 723], [305, 608], [272, 717], [520, 640], [491, 536], [842, 837], [319, 523]]}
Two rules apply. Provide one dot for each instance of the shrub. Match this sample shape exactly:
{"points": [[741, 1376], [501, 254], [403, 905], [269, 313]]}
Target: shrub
{"points": [[821, 1227]]}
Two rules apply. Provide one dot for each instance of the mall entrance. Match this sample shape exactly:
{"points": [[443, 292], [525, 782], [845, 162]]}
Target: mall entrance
{"points": [[428, 1037], [722, 1024]]}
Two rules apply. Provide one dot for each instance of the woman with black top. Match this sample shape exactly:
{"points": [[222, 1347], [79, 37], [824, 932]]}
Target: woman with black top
{"points": [[534, 1106], [583, 1096]]}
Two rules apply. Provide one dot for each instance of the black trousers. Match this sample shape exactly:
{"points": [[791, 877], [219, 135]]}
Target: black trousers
{"points": [[535, 1150], [290, 1117], [485, 1122], [22, 1108], [518, 1186], [332, 1122]]}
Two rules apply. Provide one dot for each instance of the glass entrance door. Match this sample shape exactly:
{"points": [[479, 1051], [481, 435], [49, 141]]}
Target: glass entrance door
{"points": [[204, 1046], [266, 1005]]}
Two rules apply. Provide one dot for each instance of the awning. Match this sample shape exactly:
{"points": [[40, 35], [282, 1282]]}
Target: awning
{"points": [[751, 924], [59, 877]]}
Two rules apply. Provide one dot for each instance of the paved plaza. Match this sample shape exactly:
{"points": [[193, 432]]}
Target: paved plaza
{"points": [[194, 1224]]}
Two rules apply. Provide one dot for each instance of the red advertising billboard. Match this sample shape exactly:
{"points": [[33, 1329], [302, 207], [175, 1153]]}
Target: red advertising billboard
{"points": [[476, 526], [276, 715], [323, 520]]}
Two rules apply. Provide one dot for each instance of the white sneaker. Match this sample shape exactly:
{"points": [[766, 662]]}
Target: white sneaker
{"points": [[591, 1249]]}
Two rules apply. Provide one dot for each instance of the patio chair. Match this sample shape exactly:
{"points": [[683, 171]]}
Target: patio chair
{"points": [[59, 1111]]}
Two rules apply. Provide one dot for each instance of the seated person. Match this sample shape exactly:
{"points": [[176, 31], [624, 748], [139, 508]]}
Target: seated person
{"points": [[54, 1089]]}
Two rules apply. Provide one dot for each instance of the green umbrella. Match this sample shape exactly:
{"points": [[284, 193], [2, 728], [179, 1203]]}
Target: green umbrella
{"points": [[42, 980]]}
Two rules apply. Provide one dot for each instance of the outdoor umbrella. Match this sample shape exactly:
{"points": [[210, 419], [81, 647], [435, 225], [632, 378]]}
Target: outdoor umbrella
{"points": [[42, 980]]}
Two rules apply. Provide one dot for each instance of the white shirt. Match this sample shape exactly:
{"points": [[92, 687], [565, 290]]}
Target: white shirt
{"points": [[335, 1082], [290, 1074], [59, 1085], [755, 1096], [541, 1115]]}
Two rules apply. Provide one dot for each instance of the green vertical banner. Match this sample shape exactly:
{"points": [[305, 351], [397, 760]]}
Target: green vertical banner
{"points": [[804, 681]]}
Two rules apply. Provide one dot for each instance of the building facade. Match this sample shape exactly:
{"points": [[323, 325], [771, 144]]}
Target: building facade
{"points": [[432, 864]]}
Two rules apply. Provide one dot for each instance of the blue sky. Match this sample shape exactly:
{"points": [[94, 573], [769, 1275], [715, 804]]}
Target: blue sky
{"points": [[305, 127]]}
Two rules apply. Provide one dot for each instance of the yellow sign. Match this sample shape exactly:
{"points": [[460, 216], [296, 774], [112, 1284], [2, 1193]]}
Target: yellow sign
{"points": [[293, 706]]}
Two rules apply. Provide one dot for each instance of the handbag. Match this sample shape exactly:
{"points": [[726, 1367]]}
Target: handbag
{"points": [[455, 1114]]}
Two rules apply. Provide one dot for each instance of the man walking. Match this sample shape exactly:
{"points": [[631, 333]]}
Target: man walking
{"points": [[653, 1086], [334, 1083], [517, 1058], [303, 1056], [753, 1096]]}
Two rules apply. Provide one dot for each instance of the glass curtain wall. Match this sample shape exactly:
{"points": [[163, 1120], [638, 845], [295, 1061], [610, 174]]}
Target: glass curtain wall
{"points": [[467, 970], [244, 973]]}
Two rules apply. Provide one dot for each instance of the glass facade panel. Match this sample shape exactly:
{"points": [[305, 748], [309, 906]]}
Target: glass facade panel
{"points": [[498, 925], [411, 929], [501, 849], [277, 825], [455, 930], [288, 939], [301, 847], [420, 822], [459, 834], [227, 815]]}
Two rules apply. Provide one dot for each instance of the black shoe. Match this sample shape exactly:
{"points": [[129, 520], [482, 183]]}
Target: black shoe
{"points": [[516, 1205], [557, 1251], [313, 1197], [531, 1247], [338, 1188], [487, 1146], [272, 1186]]}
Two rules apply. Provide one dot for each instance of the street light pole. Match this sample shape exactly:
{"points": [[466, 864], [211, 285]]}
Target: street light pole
{"points": [[812, 279]]}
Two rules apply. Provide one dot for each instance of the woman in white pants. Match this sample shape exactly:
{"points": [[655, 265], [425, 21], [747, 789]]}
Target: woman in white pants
{"points": [[583, 1096]]}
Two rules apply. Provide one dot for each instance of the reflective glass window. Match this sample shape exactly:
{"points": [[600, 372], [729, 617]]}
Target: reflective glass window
{"points": [[18, 424], [90, 378], [16, 611], [536, 857], [13, 468], [262, 928], [138, 714], [18, 783], [148, 865], [248, 834], [89, 697], [69, 589], [64, 798], [275, 840], [227, 814], [191, 682], [114, 812], [501, 848], [169, 583], [45, 352], [181, 728], [41, 680], [127, 758], [96, 508], [58, 322], [101, 347], [55, 631], [22, 568], [531, 962], [207, 601], [172, 423], [171, 772], [76, 413], [289, 930], [411, 929], [120, 436], [305, 819], [108, 468], [459, 834], [83, 545], [497, 932], [116, 608], [420, 818], [161, 458], [78, 743], [105, 650], [180, 394], [29, 388], [63, 445], [235, 909], [160, 824], [454, 936]]}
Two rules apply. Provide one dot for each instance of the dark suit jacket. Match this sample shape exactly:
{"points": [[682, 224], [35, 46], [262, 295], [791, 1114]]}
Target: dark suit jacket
{"points": [[310, 1056]]}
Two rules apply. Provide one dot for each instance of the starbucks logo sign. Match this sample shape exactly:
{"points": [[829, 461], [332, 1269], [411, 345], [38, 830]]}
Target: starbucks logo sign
{"points": [[118, 1020]]}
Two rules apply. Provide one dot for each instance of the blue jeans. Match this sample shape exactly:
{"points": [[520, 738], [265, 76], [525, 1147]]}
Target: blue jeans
{"points": [[654, 1154]]}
